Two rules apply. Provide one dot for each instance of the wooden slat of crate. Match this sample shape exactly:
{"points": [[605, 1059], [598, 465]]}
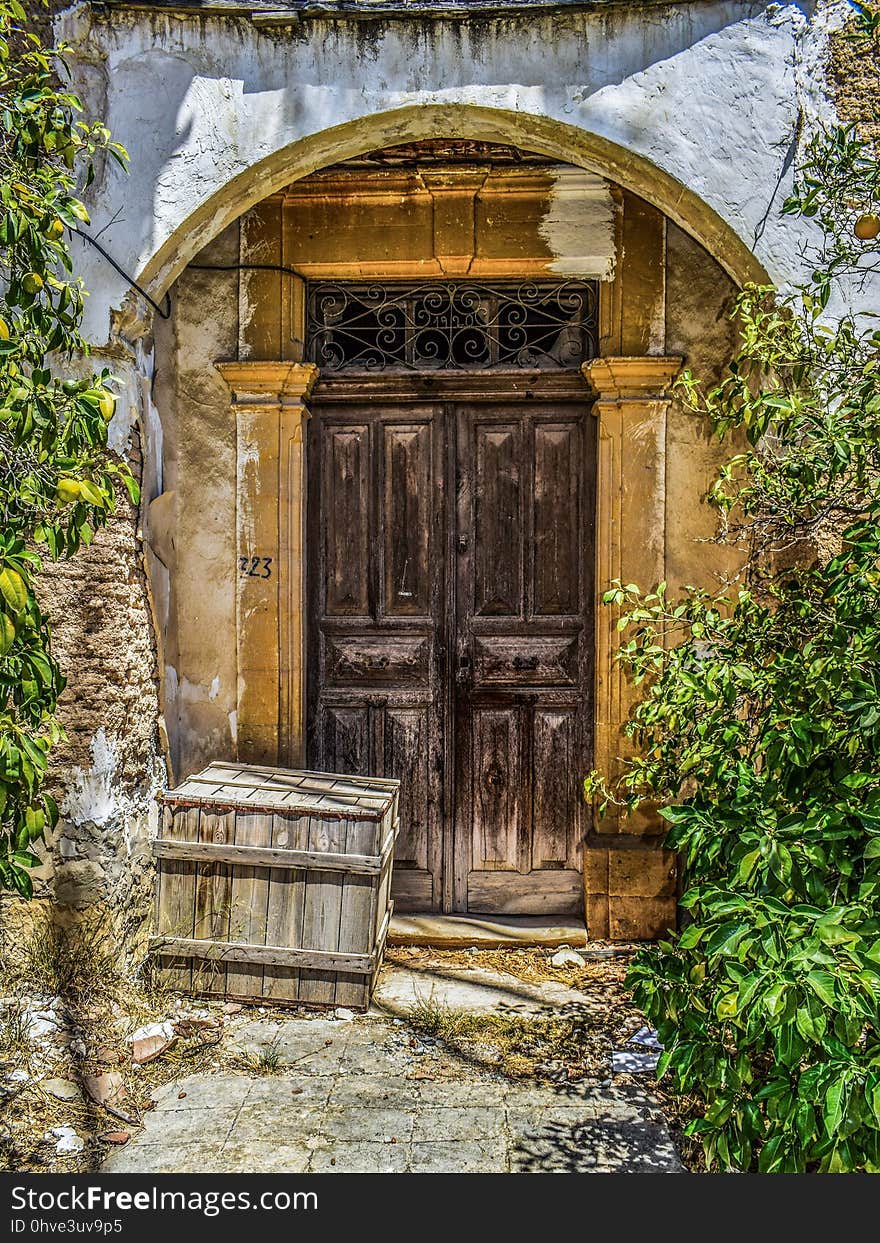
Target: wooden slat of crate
{"points": [[249, 901], [268, 856], [284, 924], [281, 955], [323, 910], [213, 883], [389, 785], [228, 783], [175, 895], [357, 914]]}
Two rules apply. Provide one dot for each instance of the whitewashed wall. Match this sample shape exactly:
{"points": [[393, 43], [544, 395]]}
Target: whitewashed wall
{"points": [[703, 97]]}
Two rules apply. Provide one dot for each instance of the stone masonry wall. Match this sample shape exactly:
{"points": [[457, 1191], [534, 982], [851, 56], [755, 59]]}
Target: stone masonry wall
{"points": [[106, 772]]}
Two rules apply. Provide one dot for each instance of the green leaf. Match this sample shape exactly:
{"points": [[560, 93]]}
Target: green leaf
{"points": [[7, 633], [13, 589], [775, 999], [806, 1024], [92, 494], [35, 819], [691, 936], [24, 859], [834, 934], [132, 488], [726, 938], [823, 985], [835, 1102]]}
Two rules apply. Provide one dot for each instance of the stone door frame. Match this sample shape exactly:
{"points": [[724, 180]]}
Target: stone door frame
{"points": [[629, 881]]}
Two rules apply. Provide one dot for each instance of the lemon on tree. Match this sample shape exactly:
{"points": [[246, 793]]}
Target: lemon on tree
{"points": [[867, 226], [67, 491], [108, 405]]}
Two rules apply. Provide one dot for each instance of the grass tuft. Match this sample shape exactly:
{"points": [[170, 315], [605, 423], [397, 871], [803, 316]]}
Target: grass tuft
{"points": [[518, 1045]]}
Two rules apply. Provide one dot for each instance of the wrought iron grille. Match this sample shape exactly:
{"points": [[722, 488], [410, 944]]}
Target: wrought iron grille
{"points": [[451, 326]]}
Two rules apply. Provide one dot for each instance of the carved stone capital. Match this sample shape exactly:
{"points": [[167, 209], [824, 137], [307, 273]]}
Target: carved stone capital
{"points": [[647, 378], [269, 383]]}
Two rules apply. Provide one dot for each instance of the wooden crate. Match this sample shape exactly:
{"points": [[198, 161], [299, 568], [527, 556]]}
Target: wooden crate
{"points": [[275, 885]]}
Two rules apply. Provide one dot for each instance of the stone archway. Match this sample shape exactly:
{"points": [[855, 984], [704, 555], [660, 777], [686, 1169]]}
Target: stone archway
{"points": [[629, 880], [566, 143]]}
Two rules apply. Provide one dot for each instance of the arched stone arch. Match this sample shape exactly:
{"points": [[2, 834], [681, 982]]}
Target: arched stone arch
{"points": [[270, 400], [544, 135]]}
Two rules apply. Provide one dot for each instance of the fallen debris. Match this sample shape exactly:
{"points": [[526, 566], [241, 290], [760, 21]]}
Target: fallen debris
{"points": [[68, 1140], [624, 1062], [62, 1089], [106, 1088], [151, 1041], [647, 1037], [568, 958]]}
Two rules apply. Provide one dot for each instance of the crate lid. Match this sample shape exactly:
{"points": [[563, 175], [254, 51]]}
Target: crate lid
{"points": [[287, 791]]}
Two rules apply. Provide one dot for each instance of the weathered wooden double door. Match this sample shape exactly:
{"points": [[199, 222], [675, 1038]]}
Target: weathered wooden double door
{"points": [[450, 568]]}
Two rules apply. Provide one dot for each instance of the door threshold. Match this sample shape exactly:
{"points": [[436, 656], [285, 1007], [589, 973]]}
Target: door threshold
{"points": [[486, 931]]}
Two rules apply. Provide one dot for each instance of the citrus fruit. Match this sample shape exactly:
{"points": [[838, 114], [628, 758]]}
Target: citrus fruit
{"points": [[67, 490], [867, 227]]}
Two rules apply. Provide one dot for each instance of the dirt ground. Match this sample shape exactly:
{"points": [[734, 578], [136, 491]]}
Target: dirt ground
{"points": [[67, 1022]]}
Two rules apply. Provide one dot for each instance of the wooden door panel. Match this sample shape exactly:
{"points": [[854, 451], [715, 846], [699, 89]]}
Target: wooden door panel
{"points": [[524, 665], [557, 787], [496, 788], [547, 893], [406, 520], [407, 751], [557, 521], [345, 736], [497, 521], [525, 660], [346, 493], [353, 660]]}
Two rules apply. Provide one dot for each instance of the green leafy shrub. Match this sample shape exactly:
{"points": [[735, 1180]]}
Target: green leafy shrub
{"points": [[760, 727], [57, 477]]}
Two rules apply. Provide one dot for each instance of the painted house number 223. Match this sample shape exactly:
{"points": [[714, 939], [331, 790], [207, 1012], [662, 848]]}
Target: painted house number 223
{"points": [[255, 567]]}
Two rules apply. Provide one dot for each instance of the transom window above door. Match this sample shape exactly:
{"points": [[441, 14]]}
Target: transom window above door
{"points": [[451, 325]]}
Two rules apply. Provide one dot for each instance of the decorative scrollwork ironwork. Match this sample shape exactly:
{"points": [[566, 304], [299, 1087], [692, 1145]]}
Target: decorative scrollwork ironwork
{"points": [[451, 326]]}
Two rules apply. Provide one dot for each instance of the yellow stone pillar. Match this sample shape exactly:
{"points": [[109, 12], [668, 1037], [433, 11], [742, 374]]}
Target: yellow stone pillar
{"points": [[630, 885], [270, 416]]}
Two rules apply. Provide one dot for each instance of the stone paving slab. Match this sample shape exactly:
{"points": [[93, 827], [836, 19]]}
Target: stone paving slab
{"points": [[468, 988], [354, 1096]]}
